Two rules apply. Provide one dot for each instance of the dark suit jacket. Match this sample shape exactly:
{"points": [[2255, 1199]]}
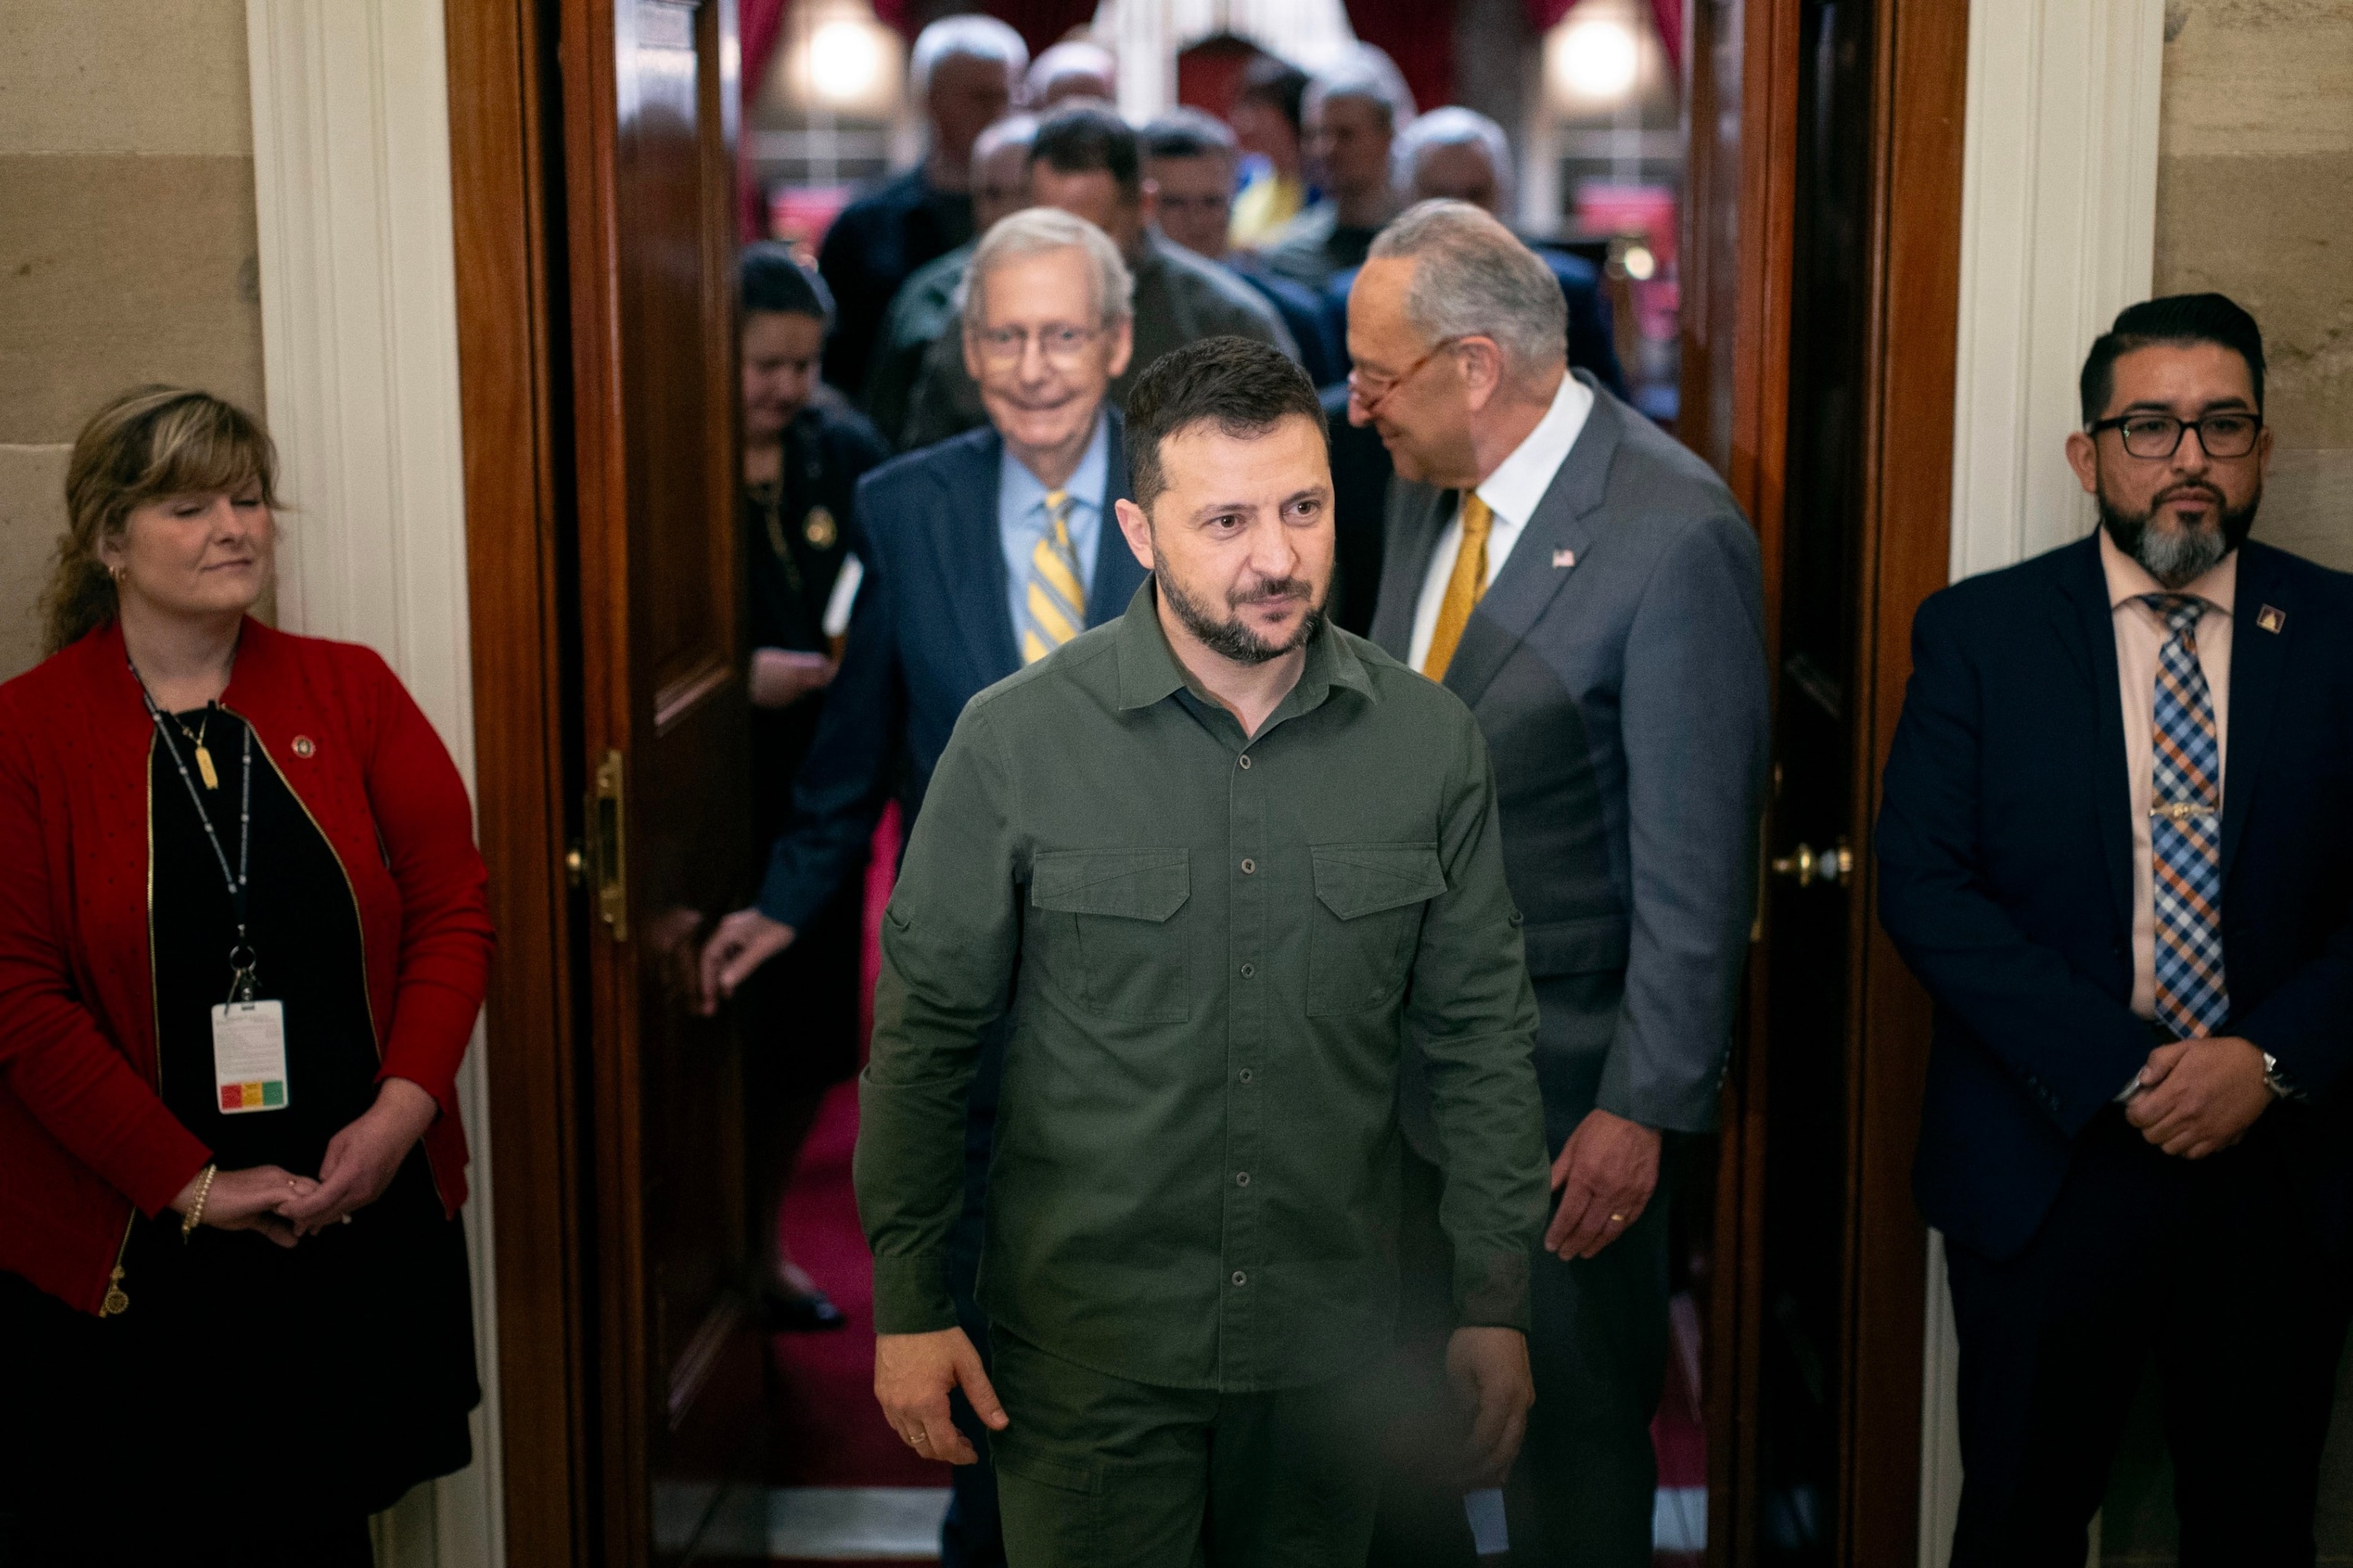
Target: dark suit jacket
{"points": [[930, 629], [1617, 667], [1301, 310], [868, 251], [2005, 864]]}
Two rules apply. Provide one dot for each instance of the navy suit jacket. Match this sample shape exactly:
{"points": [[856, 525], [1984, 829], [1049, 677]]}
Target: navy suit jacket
{"points": [[930, 629], [2005, 865]]}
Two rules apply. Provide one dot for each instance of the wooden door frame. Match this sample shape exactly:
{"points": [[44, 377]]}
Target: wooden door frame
{"points": [[1920, 92], [514, 397]]}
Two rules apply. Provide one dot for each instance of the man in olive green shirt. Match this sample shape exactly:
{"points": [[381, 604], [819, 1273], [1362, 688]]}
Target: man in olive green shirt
{"points": [[1218, 859]]}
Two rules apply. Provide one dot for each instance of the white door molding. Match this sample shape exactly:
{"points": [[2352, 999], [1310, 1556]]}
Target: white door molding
{"points": [[351, 141], [2058, 230], [1149, 35], [2058, 233]]}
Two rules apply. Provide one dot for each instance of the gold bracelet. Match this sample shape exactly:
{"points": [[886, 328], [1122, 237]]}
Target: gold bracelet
{"points": [[195, 1214]]}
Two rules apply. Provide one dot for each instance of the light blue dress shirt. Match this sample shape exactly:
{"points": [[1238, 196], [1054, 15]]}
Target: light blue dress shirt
{"points": [[1021, 519]]}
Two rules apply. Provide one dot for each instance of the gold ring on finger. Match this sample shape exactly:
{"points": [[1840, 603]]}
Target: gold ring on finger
{"points": [[1617, 1219]]}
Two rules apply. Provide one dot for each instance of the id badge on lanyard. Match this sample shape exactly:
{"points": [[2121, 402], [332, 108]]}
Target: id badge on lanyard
{"points": [[249, 1032]]}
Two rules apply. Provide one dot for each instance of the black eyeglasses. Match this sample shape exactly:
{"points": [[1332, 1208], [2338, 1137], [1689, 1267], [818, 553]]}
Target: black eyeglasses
{"points": [[2159, 434]]}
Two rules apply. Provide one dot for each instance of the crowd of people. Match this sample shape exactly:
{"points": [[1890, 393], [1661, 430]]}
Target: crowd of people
{"points": [[1332, 730]]}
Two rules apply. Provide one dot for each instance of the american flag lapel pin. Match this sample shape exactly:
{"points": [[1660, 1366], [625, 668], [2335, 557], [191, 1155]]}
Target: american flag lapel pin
{"points": [[1564, 559], [2271, 619]]}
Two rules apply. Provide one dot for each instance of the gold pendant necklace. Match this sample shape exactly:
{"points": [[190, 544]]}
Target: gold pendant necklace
{"points": [[204, 753]]}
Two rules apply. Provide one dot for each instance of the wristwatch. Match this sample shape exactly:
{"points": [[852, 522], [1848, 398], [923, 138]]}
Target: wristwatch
{"points": [[2278, 1081]]}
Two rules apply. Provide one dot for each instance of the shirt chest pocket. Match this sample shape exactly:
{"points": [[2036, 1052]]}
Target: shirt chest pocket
{"points": [[1367, 913], [1112, 942]]}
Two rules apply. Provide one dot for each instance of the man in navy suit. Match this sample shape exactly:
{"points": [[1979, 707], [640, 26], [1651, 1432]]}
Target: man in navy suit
{"points": [[2115, 848], [976, 552]]}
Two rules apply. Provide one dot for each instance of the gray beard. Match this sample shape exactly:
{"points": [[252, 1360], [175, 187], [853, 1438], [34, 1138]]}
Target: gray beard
{"points": [[2173, 558]]}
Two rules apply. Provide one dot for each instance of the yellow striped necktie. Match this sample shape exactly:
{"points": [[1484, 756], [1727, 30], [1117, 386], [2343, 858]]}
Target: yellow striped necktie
{"points": [[1462, 588], [1054, 605]]}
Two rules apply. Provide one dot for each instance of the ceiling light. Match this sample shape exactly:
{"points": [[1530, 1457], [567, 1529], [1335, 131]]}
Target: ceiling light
{"points": [[1597, 59], [844, 60]]}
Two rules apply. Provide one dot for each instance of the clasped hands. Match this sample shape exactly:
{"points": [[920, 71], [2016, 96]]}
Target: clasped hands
{"points": [[359, 1163], [2199, 1096]]}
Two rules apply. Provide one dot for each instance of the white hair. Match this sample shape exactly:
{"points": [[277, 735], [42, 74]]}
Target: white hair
{"points": [[1453, 126], [1476, 279], [965, 38], [1366, 74], [1033, 231], [1072, 56]]}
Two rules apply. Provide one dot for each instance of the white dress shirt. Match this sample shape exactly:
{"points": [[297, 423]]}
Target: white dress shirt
{"points": [[1513, 494]]}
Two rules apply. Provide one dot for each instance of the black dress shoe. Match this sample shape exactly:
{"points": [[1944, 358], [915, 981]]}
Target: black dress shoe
{"points": [[810, 1314]]}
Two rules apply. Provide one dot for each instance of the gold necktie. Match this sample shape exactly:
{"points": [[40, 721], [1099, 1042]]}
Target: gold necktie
{"points": [[1463, 590], [1055, 602]]}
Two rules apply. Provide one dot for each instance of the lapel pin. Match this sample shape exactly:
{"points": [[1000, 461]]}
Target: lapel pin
{"points": [[303, 747], [2271, 619], [1564, 559]]}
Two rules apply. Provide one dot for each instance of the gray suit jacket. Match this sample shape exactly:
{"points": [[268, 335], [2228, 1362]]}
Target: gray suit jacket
{"points": [[1617, 668]]}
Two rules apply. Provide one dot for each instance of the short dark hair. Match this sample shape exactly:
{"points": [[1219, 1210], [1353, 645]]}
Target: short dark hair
{"points": [[1081, 138], [1278, 84], [2172, 319], [1188, 132], [769, 277], [1244, 387]]}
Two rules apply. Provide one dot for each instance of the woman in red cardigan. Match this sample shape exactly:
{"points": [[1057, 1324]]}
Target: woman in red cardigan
{"points": [[243, 941]]}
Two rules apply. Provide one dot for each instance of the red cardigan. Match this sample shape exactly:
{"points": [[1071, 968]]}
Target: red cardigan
{"points": [[84, 1134]]}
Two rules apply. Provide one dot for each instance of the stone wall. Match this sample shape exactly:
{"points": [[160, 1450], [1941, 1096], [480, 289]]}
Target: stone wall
{"points": [[127, 250], [2254, 186]]}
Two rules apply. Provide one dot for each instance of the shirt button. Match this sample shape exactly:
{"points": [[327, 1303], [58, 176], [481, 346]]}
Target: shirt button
{"points": [[1248, 971], [1241, 1179], [1245, 761], [1240, 1278], [1249, 866], [1245, 1074]]}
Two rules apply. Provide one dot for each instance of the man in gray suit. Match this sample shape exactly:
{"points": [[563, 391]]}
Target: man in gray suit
{"points": [[1590, 589]]}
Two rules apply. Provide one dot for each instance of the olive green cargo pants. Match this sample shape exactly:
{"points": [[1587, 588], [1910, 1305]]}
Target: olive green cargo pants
{"points": [[1098, 1472]]}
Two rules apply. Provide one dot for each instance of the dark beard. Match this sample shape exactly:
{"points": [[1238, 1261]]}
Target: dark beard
{"points": [[2174, 558], [1230, 639]]}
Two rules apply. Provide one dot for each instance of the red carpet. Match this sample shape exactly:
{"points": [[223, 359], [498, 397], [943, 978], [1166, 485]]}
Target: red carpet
{"points": [[828, 1431]]}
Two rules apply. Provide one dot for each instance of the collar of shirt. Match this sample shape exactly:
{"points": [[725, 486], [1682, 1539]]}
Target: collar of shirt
{"points": [[1516, 488], [1149, 671], [2129, 582], [1021, 511]]}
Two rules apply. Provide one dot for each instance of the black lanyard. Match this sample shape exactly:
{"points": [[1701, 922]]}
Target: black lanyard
{"points": [[241, 959]]}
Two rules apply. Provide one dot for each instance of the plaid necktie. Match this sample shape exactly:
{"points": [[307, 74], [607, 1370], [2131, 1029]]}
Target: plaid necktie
{"points": [[2185, 831], [1054, 606]]}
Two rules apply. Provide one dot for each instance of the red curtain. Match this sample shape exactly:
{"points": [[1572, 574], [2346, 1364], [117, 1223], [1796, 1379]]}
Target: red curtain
{"points": [[758, 25], [1546, 14], [1417, 34], [1041, 23]]}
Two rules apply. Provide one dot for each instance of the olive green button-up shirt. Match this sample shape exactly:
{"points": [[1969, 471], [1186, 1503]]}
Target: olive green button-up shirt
{"points": [[1212, 947]]}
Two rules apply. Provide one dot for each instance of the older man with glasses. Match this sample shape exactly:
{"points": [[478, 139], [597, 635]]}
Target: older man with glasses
{"points": [[982, 555], [1591, 590]]}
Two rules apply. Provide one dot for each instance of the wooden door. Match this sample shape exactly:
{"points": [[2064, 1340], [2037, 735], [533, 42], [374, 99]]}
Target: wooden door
{"points": [[1825, 205], [649, 168]]}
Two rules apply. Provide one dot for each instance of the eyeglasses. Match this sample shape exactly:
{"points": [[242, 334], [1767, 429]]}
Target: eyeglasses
{"points": [[2159, 434], [1062, 346], [1370, 394]]}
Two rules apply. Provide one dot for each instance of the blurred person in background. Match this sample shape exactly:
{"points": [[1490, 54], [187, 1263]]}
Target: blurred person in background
{"points": [[1353, 109], [1188, 175], [981, 554], [1085, 161], [925, 306], [244, 939], [965, 71], [1266, 121], [1071, 69], [804, 453], [1454, 153]]}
